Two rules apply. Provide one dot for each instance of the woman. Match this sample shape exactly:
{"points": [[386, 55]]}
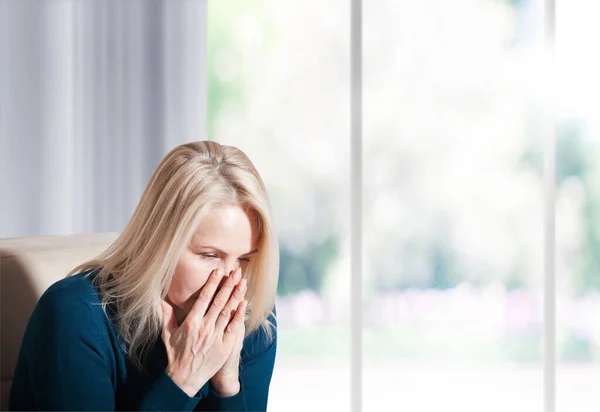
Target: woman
{"points": [[178, 313]]}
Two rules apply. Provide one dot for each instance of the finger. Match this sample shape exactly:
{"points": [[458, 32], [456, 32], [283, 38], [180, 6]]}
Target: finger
{"points": [[236, 297], [222, 297], [222, 282], [206, 294], [169, 325], [237, 323]]}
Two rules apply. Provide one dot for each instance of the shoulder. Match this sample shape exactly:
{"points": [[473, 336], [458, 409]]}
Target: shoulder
{"points": [[259, 343], [69, 319], [69, 303], [79, 285]]}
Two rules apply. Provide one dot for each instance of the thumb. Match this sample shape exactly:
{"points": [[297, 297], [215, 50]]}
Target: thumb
{"points": [[169, 325]]}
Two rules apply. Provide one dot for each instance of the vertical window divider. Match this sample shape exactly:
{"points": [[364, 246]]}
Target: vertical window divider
{"points": [[549, 130], [356, 195]]}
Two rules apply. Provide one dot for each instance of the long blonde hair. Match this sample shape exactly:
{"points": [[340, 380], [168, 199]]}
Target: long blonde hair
{"points": [[135, 272]]}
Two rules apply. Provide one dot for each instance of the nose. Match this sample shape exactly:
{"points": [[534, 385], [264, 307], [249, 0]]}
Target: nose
{"points": [[229, 266]]}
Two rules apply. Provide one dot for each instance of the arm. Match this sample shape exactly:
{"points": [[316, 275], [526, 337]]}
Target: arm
{"points": [[65, 358], [70, 362], [165, 395], [256, 370]]}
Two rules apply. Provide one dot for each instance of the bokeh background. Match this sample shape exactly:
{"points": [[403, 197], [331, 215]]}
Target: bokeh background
{"points": [[458, 98]]}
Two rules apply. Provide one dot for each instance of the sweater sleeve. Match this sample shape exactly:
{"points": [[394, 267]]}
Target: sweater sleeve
{"points": [[70, 365], [65, 356], [165, 395], [256, 370]]}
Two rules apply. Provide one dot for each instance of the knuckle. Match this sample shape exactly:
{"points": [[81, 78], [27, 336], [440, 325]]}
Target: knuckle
{"points": [[189, 326], [219, 302], [226, 312], [205, 294], [232, 327], [206, 330]]}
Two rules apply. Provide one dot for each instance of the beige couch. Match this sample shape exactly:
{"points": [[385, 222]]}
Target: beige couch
{"points": [[28, 266]]}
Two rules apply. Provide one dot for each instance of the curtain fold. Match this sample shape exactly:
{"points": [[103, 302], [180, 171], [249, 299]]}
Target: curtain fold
{"points": [[92, 96]]}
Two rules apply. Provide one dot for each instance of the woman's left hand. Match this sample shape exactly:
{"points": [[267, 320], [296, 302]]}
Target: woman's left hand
{"points": [[226, 381]]}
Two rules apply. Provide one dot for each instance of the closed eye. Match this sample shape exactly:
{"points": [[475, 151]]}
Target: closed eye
{"points": [[212, 256]]}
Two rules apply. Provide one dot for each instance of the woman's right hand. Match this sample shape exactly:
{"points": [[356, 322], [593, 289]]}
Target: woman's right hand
{"points": [[199, 347]]}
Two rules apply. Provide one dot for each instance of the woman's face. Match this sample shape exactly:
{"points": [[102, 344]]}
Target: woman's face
{"points": [[224, 239]]}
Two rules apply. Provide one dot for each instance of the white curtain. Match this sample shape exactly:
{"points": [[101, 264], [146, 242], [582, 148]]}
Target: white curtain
{"points": [[93, 94]]}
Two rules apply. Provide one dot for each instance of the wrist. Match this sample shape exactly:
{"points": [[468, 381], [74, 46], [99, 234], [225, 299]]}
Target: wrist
{"points": [[181, 383], [226, 387]]}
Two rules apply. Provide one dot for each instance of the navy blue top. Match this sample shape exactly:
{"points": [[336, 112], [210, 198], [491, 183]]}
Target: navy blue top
{"points": [[71, 358]]}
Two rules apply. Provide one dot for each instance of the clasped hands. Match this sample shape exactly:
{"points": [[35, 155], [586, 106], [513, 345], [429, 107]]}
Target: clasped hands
{"points": [[207, 344]]}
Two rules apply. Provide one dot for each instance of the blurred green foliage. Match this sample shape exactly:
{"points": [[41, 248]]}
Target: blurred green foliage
{"points": [[219, 35], [429, 261], [429, 258], [577, 157], [303, 270]]}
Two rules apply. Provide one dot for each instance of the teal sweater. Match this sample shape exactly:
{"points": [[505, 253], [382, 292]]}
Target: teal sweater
{"points": [[71, 358]]}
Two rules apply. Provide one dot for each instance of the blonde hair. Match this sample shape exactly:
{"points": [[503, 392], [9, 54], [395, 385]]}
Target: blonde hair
{"points": [[135, 272]]}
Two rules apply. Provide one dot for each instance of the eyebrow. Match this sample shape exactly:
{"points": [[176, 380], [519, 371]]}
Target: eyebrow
{"points": [[223, 253]]}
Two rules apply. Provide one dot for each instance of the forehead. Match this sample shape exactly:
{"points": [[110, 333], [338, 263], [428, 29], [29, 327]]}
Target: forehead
{"points": [[226, 227]]}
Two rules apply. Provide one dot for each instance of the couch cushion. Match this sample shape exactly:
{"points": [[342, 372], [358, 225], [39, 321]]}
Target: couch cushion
{"points": [[28, 266]]}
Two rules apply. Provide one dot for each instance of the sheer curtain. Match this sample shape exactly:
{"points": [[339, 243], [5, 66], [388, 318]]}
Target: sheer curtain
{"points": [[92, 95]]}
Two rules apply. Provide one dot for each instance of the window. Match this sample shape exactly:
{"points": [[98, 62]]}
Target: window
{"points": [[278, 89], [458, 99]]}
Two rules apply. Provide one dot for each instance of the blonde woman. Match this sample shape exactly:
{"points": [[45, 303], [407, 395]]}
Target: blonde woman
{"points": [[178, 313]]}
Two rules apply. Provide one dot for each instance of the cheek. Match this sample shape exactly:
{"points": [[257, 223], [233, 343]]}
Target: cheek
{"points": [[190, 275]]}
